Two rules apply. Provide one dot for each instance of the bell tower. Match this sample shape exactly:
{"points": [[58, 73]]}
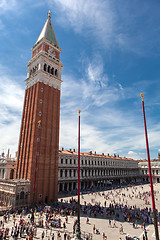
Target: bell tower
{"points": [[37, 157]]}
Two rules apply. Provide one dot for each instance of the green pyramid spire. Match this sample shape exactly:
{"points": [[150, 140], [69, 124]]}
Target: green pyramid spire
{"points": [[48, 32]]}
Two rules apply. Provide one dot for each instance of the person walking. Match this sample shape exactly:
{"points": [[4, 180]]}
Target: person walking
{"points": [[53, 236], [94, 228], [65, 235], [43, 234]]}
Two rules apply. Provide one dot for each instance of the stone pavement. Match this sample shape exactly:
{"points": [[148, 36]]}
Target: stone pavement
{"points": [[101, 222]]}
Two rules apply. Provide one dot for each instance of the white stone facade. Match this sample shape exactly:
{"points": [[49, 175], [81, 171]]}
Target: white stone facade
{"points": [[14, 193], [155, 170], [7, 167], [97, 170]]}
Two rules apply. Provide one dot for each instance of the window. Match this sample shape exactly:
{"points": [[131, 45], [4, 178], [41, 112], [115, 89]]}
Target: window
{"points": [[40, 114], [49, 69], [56, 72], [82, 162], [74, 161], [52, 71], [42, 89], [61, 173], [74, 173], [70, 173], [61, 160], [22, 195], [66, 160], [86, 162], [45, 67], [65, 173], [70, 161], [40, 101]]}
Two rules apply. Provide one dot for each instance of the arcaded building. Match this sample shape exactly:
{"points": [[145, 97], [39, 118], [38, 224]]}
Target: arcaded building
{"points": [[97, 170], [155, 170], [37, 157]]}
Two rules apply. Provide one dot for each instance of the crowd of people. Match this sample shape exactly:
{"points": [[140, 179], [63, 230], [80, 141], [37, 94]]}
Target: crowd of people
{"points": [[53, 219]]}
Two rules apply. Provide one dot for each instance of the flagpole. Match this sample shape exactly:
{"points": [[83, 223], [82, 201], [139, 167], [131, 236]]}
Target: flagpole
{"points": [[78, 232], [150, 173]]}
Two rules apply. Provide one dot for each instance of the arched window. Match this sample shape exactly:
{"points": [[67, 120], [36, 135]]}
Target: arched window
{"points": [[52, 71], [49, 69], [3, 173], [11, 173], [22, 195], [82, 173], [45, 67], [56, 72]]}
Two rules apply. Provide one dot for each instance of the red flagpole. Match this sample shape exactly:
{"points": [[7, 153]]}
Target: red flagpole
{"points": [[78, 222], [150, 173], [79, 158]]}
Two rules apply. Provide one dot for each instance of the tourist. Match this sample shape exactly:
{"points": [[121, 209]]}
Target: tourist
{"points": [[94, 228]]}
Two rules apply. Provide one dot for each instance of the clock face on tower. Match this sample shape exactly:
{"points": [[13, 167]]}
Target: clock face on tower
{"points": [[51, 52]]}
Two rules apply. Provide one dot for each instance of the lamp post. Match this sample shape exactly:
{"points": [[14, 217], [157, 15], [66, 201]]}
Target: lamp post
{"points": [[78, 231], [150, 173]]}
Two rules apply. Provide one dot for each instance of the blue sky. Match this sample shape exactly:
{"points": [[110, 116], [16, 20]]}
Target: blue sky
{"points": [[110, 52]]}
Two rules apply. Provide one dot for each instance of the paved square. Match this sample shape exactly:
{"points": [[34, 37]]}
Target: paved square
{"points": [[119, 205]]}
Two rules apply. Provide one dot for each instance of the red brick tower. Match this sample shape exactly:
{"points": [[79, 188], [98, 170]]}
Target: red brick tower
{"points": [[39, 144]]}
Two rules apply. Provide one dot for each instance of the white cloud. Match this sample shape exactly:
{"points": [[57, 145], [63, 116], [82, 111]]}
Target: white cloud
{"points": [[88, 18], [6, 5], [106, 127], [109, 24], [136, 155], [11, 103]]}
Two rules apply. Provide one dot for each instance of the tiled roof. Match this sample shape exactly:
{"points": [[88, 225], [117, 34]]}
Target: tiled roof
{"points": [[73, 152]]}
